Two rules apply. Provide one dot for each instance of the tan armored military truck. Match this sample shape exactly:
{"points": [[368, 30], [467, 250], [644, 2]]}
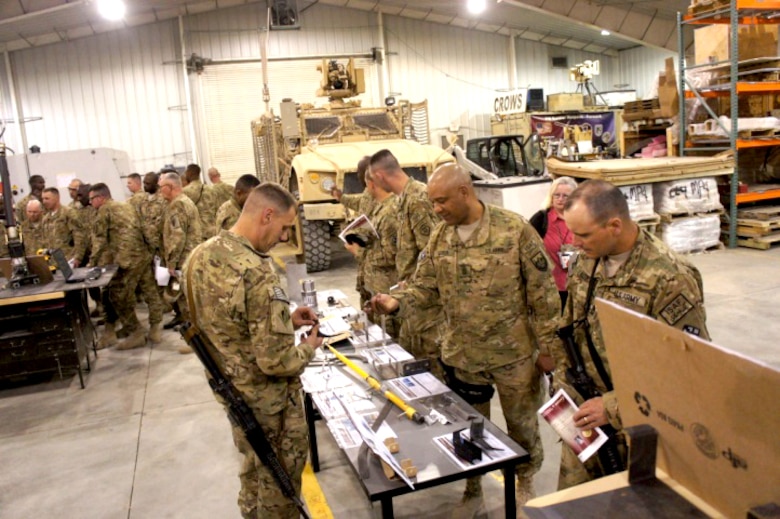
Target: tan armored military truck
{"points": [[310, 150]]}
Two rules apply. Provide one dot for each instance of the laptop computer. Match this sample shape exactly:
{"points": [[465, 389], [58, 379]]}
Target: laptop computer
{"points": [[73, 275]]}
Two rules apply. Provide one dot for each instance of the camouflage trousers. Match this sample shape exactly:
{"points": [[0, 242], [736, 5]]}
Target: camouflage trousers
{"points": [[121, 296], [260, 496], [574, 472], [520, 394]]}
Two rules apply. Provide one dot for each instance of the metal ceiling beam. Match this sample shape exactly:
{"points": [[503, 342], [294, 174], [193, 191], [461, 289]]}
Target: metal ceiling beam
{"points": [[43, 12]]}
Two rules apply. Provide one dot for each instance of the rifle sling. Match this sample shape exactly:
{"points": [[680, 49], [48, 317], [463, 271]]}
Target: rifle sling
{"points": [[605, 378]]}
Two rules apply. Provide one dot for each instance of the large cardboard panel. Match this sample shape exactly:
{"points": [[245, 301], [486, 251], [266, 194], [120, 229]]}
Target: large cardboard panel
{"points": [[717, 412]]}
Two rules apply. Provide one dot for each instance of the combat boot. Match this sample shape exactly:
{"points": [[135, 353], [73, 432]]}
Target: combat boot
{"points": [[136, 339], [524, 491], [107, 338], [123, 333], [184, 349], [155, 334], [472, 503]]}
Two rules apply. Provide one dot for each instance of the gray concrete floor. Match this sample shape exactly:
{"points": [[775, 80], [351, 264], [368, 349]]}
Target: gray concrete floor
{"points": [[146, 439]]}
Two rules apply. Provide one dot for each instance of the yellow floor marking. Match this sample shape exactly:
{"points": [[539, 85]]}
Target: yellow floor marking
{"points": [[313, 496]]}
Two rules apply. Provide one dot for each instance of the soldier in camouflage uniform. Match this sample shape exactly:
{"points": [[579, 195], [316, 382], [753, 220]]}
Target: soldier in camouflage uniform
{"points": [[632, 268], [203, 198], [420, 333], [380, 253], [33, 236], [117, 238], [488, 269], [37, 185], [360, 203], [135, 186], [85, 215], [181, 234], [237, 300], [229, 212], [223, 192], [73, 191], [60, 228]]}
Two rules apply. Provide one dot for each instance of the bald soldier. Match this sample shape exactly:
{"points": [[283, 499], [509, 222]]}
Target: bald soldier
{"points": [[488, 269], [33, 236], [237, 300], [223, 192], [228, 213], [630, 267]]}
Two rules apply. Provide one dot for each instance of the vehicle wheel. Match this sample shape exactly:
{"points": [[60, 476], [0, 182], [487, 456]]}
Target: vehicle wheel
{"points": [[316, 243]]}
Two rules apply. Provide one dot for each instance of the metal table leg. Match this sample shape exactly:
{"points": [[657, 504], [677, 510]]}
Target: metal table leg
{"points": [[387, 508], [308, 405], [510, 504]]}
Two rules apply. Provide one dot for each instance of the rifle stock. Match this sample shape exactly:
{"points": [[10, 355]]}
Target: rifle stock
{"points": [[577, 376], [240, 413]]}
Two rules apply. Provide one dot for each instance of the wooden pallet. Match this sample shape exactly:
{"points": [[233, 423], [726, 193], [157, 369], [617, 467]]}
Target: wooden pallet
{"points": [[702, 6], [712, 248], [647, 109], [749, 134], [759, 213], [670, 217], [750, 228], [760, 242]]}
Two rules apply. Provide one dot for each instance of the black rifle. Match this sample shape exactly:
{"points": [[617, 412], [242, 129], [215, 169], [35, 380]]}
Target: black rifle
{"points": [[240, 413], [577, 376]]}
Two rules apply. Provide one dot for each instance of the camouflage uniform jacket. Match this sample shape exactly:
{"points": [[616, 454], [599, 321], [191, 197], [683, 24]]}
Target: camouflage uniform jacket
{"points": [[360, 203], [181, 231], [85, 218], [496, 289], [33, 237], [75, 204], [117, 237], [203, 197], [138, 198], [238, 302], [152, 211], [222, 193], [379, 255], [228, 214], [416, 220], [653, 281], [62, 230], [4, 252]]}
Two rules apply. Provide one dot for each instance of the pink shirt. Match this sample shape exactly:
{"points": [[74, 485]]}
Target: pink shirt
{"points": [[557, 234]]}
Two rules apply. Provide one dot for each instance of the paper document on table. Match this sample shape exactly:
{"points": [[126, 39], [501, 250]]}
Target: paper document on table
{"points": [[559, 413], [324, 378], [329, 406], [375, 442], [334, 325], [416, 386], [498, 450]]}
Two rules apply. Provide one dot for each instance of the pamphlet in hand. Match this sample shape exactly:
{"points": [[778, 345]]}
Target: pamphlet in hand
{"points": [[360, 231], [559, 412]]}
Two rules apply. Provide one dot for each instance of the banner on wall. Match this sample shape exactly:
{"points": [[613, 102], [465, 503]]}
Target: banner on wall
{"points": [[511, 102], [601, 125]]}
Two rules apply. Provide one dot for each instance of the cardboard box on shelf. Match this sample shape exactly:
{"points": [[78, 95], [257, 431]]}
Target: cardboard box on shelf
{"points": [[565, 102], [712, 42]]}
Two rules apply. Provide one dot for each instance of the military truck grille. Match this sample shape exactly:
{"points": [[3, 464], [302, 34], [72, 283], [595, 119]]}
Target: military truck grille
{"points": [[378, 123], [317, 127], [418, 173], [265, 154], [351, 183]]}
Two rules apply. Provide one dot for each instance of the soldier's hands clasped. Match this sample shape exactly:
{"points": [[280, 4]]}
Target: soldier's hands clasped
{"points": [[382, 304]]}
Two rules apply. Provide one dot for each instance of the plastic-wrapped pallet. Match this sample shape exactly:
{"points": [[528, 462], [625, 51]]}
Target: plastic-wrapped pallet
{"points": [[640, 201], [692, 233], [693, 195]]}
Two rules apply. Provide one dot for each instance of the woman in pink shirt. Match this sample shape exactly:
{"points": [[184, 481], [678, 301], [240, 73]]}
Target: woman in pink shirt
{"points": [[550, 225]]}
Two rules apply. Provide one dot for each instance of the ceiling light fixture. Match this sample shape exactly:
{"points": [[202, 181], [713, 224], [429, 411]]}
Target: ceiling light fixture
{"points": [[605, 32], [113, 10], [476, 6]]}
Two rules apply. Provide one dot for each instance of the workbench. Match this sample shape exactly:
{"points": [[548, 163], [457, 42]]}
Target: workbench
{"points": [[47, 327], [421, 443]]}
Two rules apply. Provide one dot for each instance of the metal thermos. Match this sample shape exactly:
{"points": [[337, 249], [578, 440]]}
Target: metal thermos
{"points": [[309, 293]]}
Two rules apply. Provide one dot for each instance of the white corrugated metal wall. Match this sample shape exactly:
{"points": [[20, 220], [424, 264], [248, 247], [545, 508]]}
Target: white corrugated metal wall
{"points": [[640, 66], [124, 89], [112, 90]]}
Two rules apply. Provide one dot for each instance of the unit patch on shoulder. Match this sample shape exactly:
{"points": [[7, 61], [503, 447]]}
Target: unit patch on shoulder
{"points": [[539, 260], [279, 295], [692, 330], [425, 230], [676, 310]]}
